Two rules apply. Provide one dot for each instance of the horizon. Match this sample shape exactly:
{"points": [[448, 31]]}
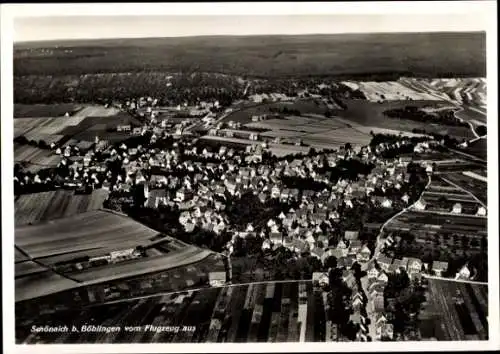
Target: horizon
{"points": [[243, 36], [73, 28]]}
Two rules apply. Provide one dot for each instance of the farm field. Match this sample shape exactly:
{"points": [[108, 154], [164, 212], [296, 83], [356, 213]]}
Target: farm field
{"points": [[81, 128], [478, 188], [45, 110], [472, 116], [453, 223], [90, 230], [266, 312], [478, 148], [313, 131], [38, 207], [388, 90], [93, 234], [90, 127], [305, 106], [455, 311], [35, 155], [34, 127]]}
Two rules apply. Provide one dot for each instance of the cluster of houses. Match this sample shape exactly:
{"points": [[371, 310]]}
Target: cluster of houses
{"points": [[422, 204]]}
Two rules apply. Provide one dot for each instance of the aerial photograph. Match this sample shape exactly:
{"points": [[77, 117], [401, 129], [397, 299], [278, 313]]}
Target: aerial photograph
{"points": [[179, 181]]}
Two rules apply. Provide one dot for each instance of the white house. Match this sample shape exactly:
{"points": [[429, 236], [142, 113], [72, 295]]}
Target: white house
{"points": [[387, 203], [481, 211], [457, 208], [463, 273], [420, 204]]}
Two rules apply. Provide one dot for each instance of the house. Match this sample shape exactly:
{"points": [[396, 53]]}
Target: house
{"points": [[457, 208], [376, 289], [384, 262], [343, 247], [349, 260], [463, 273], [183, 195], [276, 238], [380, 319], [383, 278], [351, 235], [364, 254], [320, 278], [378, 303], [481, 211], [385, 331], [275, 192], [263, 197], [387, 203], [439, 267], [357, 302], [354, 246], [217, 278], [155, 198], [349, 278], [395, 266], [414, 266], [373, 272], [420, 204]]}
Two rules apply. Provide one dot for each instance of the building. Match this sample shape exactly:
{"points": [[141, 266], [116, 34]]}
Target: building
{"points": [[457, 208], [123, 128], [414, 266], [481, 211], [464, 273], [351, 235], [384, 262], [217, 278], [420, 204], [364, 254], [320, 278]]}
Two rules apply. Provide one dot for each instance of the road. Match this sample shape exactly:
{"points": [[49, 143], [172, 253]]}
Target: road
{"points": [[196, 289], [454, 280], [364, 280]]}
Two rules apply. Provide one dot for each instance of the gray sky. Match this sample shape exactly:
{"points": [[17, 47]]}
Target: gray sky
{"points": [[87, 27]]}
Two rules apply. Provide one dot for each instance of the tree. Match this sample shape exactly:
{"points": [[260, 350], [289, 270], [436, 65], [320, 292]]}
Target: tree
{"points": [[331, 262]]}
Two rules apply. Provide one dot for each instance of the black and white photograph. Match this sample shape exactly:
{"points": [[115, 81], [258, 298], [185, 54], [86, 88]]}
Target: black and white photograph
{"points": [[248, 174]]}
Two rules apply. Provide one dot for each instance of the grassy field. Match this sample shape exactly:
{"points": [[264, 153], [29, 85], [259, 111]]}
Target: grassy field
{"points": [[455, 311], [431, 54]]}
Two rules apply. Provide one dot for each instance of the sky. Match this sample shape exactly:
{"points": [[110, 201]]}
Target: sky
{"points": [[91, 27]]}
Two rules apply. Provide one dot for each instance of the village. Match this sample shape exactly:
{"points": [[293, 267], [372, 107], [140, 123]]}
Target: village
{"points": [[322, 197]]}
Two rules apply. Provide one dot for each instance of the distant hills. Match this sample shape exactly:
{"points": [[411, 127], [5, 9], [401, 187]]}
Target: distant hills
{"points": [[440, 54]]}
